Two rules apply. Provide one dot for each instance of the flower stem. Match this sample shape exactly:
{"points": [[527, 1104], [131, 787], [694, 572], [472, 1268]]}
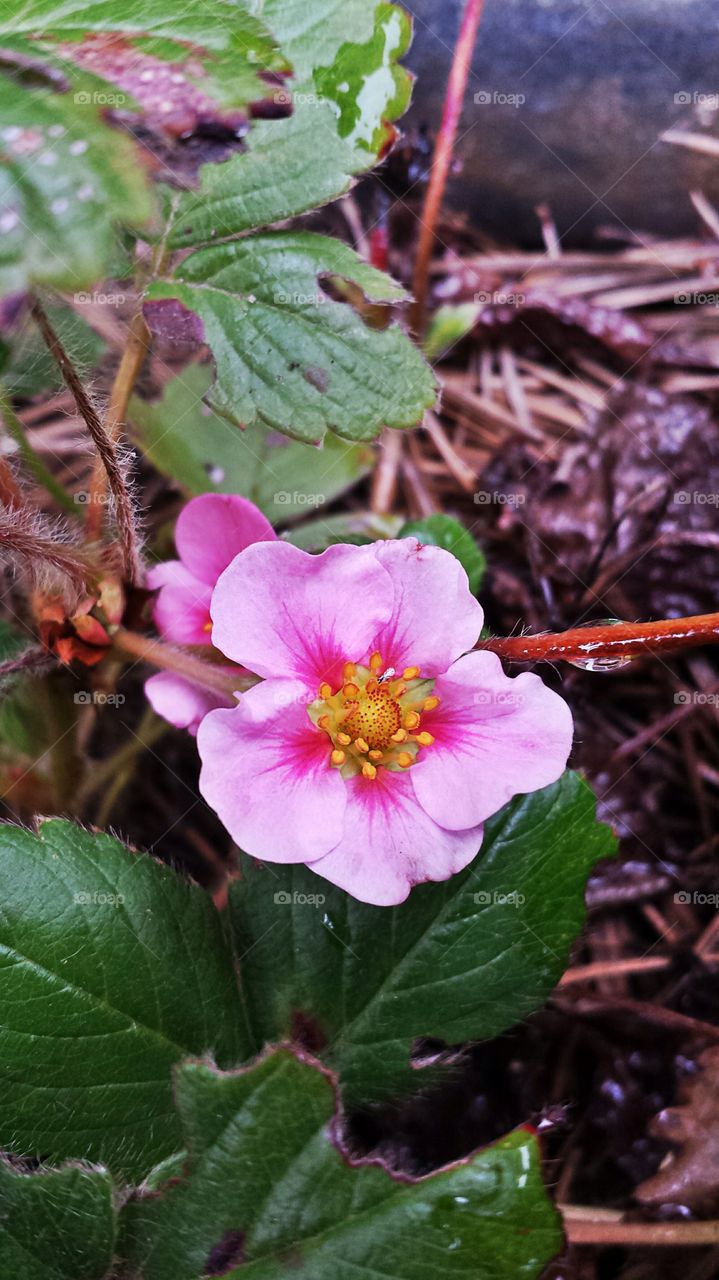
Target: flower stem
{"points": [[622, 640], [442, 158], [128, 370], [202, 671]]}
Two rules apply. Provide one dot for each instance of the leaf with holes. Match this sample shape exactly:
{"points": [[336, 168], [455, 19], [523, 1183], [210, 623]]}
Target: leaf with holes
{"points": [[79, 82], [287, 355], [461, 960], [56, 1225], [111, 970], [347, 90], [269, 1193], [205, 453]]}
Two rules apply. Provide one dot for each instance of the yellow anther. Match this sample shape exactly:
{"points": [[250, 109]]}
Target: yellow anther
{"points": [[429, 704], [425, 739], [208, 625], [375, 755], [375, 662], [323, 723], [361, 745], [404, 759], [338, 757], [411, 720], [349, 671], [351, 690], [344, 738], [325, 690], [369, 771], [399, 736], [410, 673]]}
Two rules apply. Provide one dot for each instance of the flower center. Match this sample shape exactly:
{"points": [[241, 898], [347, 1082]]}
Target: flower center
{"points": [[374, 719]]}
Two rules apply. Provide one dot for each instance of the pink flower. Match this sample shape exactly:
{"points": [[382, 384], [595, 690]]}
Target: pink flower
{"points": [[376, 745], [211, 530]]}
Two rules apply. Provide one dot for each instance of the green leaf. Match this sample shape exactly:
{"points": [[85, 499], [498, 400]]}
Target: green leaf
{"points": [[357, 527], [112, 968], [288, 356], [204, 453], [461, 960], [66, 185], [447, 326], [266, 1175], [443, 531], [57, 1225], [174, 74], [347, 90]]}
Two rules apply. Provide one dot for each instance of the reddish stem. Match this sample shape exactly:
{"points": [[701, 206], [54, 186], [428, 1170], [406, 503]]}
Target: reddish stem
{"points": [[621, 641], [453, 100]]}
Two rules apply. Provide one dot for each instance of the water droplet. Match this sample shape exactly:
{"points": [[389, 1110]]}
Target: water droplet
{"points": [[78, 147], [8, 220], [601, 665]]}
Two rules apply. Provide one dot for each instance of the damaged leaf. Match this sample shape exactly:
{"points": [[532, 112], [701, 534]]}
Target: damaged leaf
{"points": [[347, 90], [269, 1192], [690, 1174], [288, 356]]}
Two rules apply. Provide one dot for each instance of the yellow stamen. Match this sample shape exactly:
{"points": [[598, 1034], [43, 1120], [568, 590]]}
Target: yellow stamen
{"points": [[399, 736], [411, 720], [325, 690], [338, 757], [323, 723], [349, 671], [361, 745], [404, 759], [208, 625], [351, 690], [410, 673], [344, 738], [425, 739], [375, 755], [429, 704], [375, 662], [369, 771]]}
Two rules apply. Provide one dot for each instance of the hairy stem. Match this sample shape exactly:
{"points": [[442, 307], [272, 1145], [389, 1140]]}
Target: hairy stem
{"points": [[621, 641], [128, 370], [453, 99], [201, 671], [105, 445]]}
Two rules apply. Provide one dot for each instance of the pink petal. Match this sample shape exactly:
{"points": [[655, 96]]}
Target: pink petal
{"points": [[182, 609], [266, 773], [495, 738], [212, 529], [182, 703], [391, 844], [283, 612], [435, 617]]}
